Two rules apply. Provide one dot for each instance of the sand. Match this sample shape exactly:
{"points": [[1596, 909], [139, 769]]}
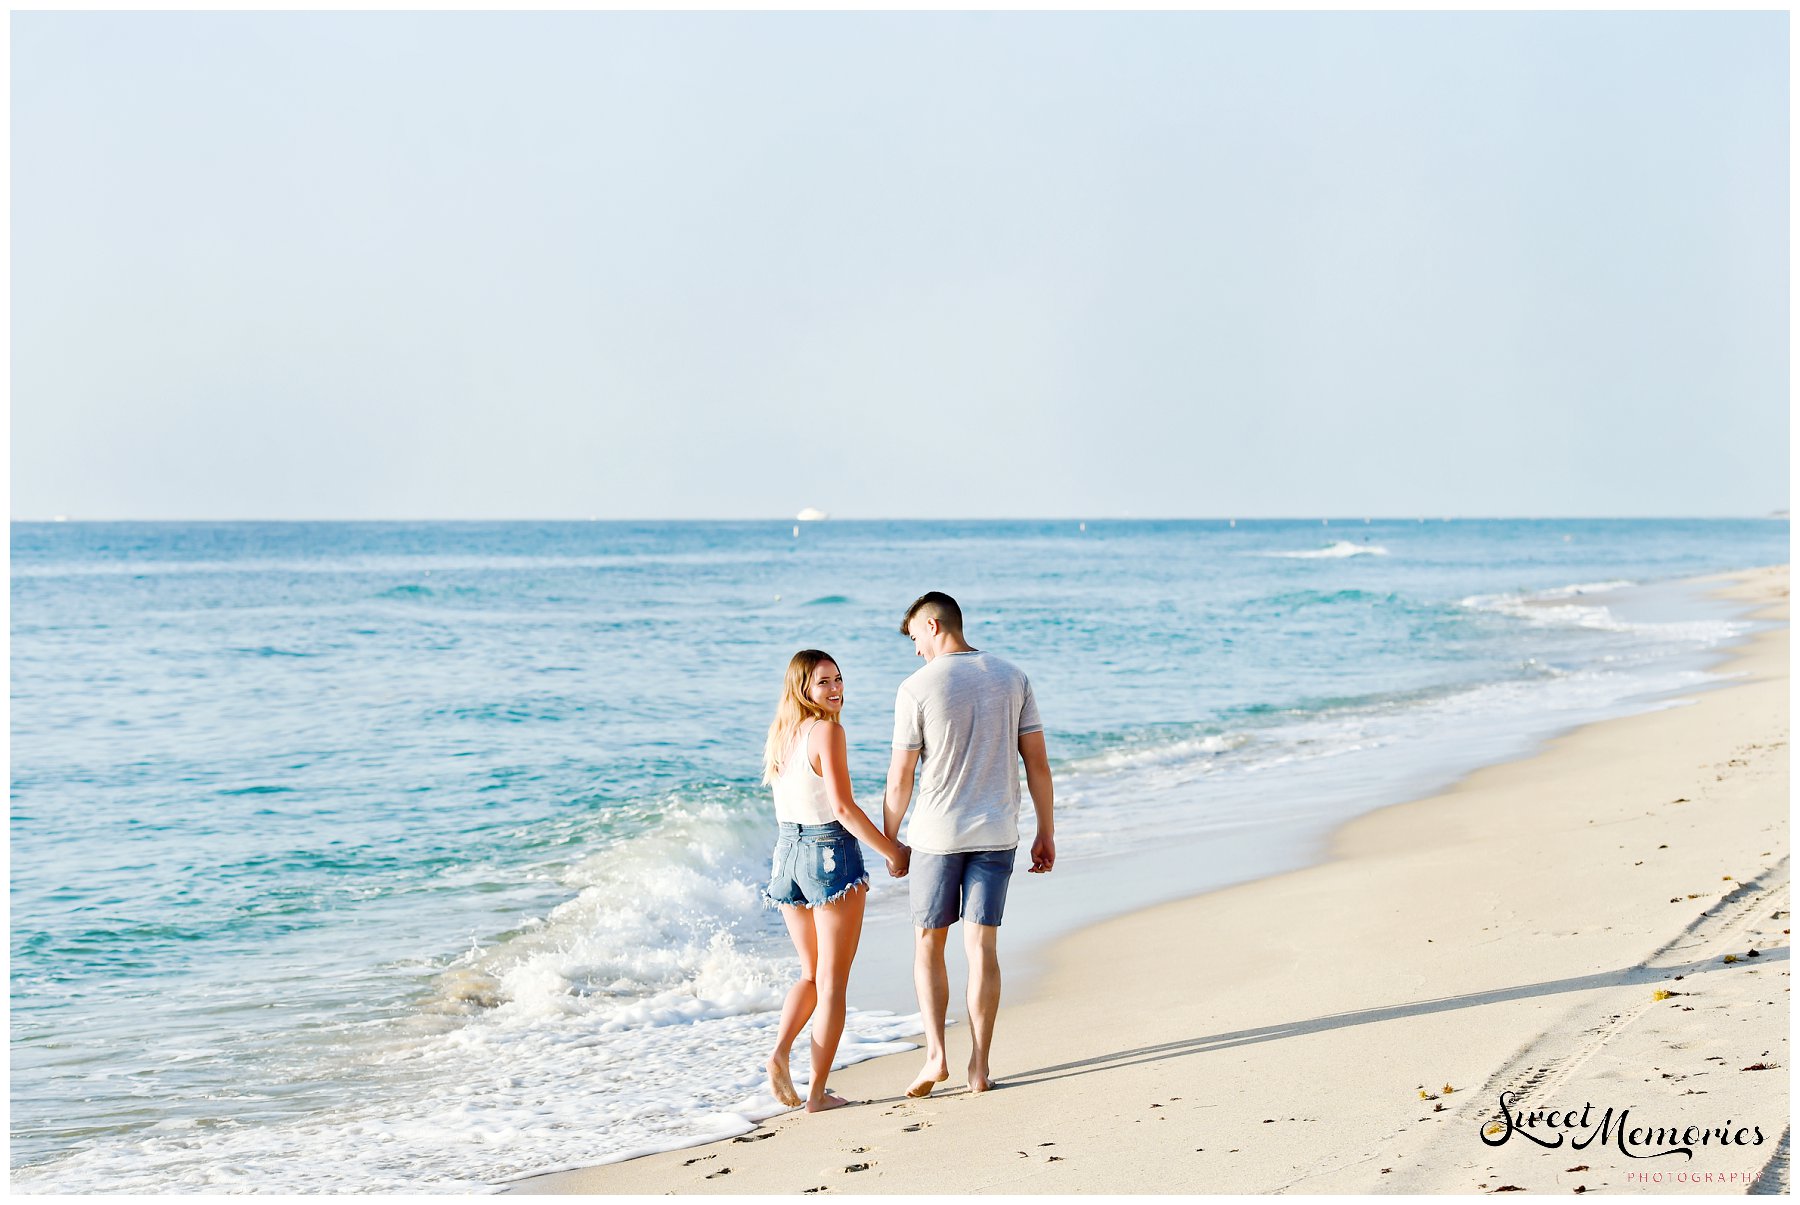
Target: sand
{"points": [[1350, 1027]]}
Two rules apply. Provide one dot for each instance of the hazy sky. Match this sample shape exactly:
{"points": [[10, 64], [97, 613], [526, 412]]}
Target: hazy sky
{"points": [[460, 265]]}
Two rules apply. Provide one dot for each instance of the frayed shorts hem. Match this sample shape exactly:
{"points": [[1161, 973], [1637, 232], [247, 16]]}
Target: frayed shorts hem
{"points": [[772, 902]]}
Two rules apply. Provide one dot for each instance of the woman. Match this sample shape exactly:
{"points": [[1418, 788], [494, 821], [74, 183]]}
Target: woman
{"points": [[817, 876]]}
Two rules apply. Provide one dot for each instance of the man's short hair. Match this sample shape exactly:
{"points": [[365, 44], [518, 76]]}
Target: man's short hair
{"points": [[934, 604]]}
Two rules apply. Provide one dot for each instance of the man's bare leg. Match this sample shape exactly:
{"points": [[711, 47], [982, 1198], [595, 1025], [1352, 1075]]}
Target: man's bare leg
{"points": [[931, 980], [982, 944]]}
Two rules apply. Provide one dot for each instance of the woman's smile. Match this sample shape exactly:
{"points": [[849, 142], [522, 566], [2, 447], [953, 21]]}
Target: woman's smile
{"points": [[828, 687]]}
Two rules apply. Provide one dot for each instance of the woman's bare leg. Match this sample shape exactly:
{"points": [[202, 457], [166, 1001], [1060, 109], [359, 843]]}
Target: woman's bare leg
{"points": [[801, 999], [839, 927]]}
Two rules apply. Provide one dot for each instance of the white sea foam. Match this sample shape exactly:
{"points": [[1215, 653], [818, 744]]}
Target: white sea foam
{"points": [[478, 1106], [1332, 764], [1537, 597], [1280, 771], [1176, 752], [1546, 608], [1338, 548], [635, 1016]]}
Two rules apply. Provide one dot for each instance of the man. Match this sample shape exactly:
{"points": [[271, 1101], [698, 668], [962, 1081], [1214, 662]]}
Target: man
{"points": [[962, 722]]}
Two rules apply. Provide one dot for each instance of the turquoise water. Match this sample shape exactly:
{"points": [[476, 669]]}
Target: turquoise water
{"points": [[382, 855]]}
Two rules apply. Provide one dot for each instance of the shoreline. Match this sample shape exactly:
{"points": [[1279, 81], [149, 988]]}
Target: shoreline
{"points": [[1047, 915], [1398, 995]]}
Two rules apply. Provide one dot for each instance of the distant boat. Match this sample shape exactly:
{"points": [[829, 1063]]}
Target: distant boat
{"points": [[811, 514]]}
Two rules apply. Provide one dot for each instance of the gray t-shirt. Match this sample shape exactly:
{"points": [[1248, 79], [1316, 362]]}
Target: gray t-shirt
{"points": [[964, 712]]}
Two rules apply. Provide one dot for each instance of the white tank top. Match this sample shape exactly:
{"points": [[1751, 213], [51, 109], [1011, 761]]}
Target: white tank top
{"points": [[799, 790]]}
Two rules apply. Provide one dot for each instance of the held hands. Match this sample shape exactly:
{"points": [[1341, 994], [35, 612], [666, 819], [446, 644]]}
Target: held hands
{"points": [[900, 861], [1043, 854]]}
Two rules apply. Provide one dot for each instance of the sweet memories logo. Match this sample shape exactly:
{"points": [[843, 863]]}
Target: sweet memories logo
{"points": [[1551, 1128]]}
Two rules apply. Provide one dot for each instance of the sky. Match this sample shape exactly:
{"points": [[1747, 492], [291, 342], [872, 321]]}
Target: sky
{"points": [[729, 265]]}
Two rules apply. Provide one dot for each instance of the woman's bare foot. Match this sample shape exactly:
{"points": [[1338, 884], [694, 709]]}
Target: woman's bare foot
{"points": [[829, 1100], [933, 1073], [781, 1085], [979, 1081]]}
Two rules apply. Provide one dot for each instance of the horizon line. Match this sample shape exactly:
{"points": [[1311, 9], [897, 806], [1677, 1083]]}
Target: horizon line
{"points": [[1323, 520]]}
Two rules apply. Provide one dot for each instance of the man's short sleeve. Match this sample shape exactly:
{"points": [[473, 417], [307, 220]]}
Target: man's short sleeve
{"points": [[909, 722], [1028, 712]]}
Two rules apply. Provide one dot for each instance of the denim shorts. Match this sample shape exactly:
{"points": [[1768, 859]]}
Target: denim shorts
{"points": [[967, 885], [814, 864]]}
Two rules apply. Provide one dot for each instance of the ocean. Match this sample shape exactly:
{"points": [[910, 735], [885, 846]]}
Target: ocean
{"points": [[423, 856]]}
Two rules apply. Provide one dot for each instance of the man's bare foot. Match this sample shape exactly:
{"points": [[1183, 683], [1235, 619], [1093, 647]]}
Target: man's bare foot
{"points": [[830, 1100], [979, 1081], [933, 1073], [781, 1085]]}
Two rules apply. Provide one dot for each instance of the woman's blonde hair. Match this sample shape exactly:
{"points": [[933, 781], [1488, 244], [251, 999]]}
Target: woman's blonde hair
{"points": [[794, 709]]}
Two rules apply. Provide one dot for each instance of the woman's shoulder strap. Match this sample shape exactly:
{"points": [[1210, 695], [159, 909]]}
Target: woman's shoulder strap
{"points": [[802, 735]]}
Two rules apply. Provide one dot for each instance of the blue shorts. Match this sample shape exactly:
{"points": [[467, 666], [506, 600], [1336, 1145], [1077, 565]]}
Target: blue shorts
{"points": [[968, 885], [814, 864]]}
